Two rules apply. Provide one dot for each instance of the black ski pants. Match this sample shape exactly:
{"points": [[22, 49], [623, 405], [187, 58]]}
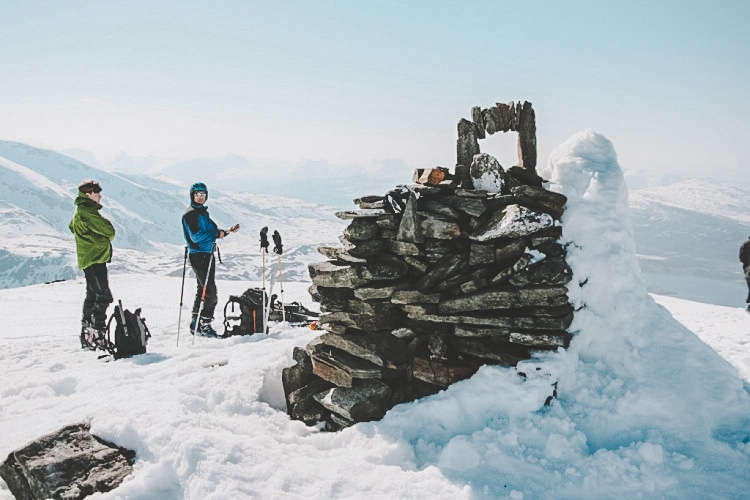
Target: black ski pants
{"points": [[200, 262], [747, 278], [98, 295]]}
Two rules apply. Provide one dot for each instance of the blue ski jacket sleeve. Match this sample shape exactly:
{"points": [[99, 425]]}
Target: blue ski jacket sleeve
{"points": [[199, 230]]}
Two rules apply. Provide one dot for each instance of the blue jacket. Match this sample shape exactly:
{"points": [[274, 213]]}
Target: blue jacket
{"points": [[200, 231]]}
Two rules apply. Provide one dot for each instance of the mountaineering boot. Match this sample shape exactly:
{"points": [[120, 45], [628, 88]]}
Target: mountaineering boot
{"points": [[93, 334], [193, 323], [88, 334], [205, 328], [100, 332]]}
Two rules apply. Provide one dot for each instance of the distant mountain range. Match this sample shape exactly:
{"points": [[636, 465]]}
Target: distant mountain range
{"points": [[687, 233], [316, 181], [39, 188]]}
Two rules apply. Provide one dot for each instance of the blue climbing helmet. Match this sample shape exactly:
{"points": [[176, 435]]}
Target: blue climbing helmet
{"points": [[198, 186]]}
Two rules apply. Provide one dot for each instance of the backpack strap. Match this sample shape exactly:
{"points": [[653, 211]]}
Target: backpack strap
{"points": [[109, 346], [137, 314]]}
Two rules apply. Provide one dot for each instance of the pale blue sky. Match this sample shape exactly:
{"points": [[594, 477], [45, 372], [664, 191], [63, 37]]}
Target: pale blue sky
{"points": [[355, 82]]}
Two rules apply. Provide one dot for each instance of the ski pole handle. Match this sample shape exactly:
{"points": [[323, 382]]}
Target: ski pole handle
{"points": [[277, 243], [264, 239]]}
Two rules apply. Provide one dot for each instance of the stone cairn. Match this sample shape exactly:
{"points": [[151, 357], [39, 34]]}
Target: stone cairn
{"points": [[434, 280]]}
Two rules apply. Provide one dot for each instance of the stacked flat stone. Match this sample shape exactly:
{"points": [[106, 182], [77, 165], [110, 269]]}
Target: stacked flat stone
{"points": [[502, 117], [468, 272]]}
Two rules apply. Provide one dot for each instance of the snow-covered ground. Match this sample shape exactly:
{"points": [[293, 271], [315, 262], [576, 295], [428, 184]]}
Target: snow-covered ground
{"points": [[652, 395], [725, 329]]}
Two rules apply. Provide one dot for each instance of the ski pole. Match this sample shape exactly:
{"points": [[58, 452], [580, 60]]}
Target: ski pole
{"points": [[182, 294], [203, 294], [263, 252], [279, 249], [267, 305]]}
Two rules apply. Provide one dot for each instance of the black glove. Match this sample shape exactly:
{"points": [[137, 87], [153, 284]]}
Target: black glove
{"points": [[277, 242], [264, 239]]}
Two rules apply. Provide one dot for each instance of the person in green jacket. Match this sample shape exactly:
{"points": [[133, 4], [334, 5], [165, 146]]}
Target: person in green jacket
{"points": [[93, 235]]}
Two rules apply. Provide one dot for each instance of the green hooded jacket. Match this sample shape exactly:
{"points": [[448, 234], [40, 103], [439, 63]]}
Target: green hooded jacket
{"points": [[93, 233]]}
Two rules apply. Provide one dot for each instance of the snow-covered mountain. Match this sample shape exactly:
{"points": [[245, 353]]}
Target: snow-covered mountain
{"points": [[688, 236], [687, 233], [40, 186], [314, 180]]}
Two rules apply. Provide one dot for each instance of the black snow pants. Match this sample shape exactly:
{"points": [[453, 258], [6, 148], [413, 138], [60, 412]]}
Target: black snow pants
{"points": [[98, 295], [199, 262]]}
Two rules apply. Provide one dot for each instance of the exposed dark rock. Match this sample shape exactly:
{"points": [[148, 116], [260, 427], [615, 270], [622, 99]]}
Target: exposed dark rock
{"points": [[408, 229], [467, 145], [513, 221], [487, 174], [523, 176], [339, 367], [364, 401], [540, 199], [298, 375], [70, 463], [506, 299], [362, 229], [527, 137], [301, 404]]}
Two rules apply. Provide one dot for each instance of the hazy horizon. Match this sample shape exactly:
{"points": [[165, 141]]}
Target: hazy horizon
{"points": [[365, 85]]}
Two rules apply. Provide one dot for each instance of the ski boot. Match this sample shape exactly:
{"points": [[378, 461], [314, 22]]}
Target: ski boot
{"points": [[93, 336], [88, 334], [205, 329]]}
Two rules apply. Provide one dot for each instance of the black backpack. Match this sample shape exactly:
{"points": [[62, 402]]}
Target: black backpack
{"points": [[131, 332], [243, 315]]}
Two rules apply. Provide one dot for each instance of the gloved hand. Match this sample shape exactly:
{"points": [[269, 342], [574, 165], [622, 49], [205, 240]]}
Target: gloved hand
{"points": [[277, 242]]}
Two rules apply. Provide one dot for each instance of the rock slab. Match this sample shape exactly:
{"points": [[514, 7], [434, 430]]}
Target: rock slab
{"points": [[68, 464]]}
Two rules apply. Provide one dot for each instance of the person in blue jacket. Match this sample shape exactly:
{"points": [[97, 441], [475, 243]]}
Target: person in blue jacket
{"points": [[200, 235]]}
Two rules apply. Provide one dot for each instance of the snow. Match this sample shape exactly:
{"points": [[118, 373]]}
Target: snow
{"points": [[516, 221], [652, 394], [700, 195]]}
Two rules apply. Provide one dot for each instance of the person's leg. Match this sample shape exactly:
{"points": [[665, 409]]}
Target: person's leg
{"points": [[204, 276], [209, 303], [88, 333], [102, 296], [98, 295], [199, 264], [98, 298], [88, 301], [211, 299], [747, 279]]}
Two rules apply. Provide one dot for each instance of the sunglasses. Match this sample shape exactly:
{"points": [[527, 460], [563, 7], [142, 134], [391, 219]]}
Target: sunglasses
{"points": [[200, 193]]}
